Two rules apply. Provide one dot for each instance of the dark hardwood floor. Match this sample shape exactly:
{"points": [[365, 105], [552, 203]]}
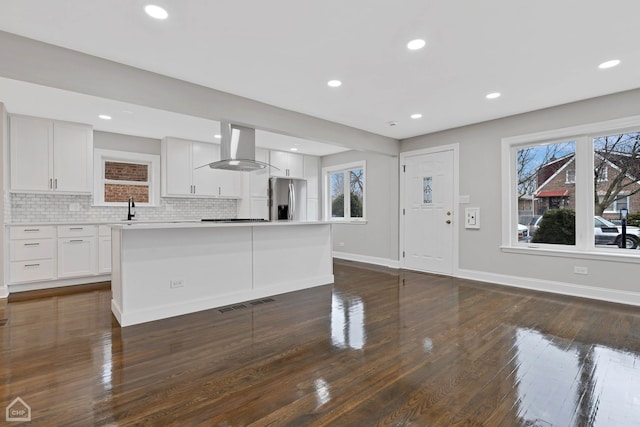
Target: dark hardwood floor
{"points": [[379, 347]]}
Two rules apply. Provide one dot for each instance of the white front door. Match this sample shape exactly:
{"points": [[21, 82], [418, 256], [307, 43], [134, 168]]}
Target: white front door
{"points": [[428, 232]]}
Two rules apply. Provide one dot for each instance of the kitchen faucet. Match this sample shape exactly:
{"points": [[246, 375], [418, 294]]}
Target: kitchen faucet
{"points": [[131, 204]]}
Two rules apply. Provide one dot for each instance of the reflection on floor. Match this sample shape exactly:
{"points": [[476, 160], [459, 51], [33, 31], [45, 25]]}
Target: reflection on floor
{"points": [[379, 347]]}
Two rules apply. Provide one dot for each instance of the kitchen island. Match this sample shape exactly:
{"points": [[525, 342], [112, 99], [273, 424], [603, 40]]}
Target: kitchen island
{"points": [[161, 270]]}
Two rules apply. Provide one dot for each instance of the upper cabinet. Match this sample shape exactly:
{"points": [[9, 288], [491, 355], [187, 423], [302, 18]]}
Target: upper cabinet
{"points": [[182, 174], [49, 156], [290, 165]]}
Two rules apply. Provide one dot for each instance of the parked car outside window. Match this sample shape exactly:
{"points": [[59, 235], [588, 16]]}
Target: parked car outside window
{"points": [[605, 232]]}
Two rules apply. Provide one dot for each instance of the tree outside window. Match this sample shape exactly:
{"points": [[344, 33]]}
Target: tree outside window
{"points": [[343, 181]]}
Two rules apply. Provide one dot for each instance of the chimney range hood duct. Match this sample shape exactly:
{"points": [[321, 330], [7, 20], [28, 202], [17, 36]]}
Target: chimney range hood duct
{"points": [[237, 149]]}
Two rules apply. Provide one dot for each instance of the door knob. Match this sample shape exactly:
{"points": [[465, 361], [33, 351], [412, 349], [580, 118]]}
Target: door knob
{"points": [[448, 221]]}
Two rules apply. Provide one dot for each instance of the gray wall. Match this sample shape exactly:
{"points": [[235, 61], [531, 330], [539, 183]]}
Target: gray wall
{"points": [[379, 236], [49, 65], [119, 142], [480, 178]]}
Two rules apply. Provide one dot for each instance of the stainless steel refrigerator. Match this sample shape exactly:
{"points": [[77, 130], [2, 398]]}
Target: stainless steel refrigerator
{"points": [[287, 199]]}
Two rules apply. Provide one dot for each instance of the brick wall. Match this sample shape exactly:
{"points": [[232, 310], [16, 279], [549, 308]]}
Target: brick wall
{"points": [[122, 192], [126, 171]]}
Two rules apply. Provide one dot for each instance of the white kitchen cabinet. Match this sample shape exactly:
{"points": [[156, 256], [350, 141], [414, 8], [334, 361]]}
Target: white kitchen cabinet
{"points": [[290, 165], [31, 254], [50, 156], [311, 174], [313, 212], [259, 179], [183, 176], [180, 158], [77, 250], [104, 249]]}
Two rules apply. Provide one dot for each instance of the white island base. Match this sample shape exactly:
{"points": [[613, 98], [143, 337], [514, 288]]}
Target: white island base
{"points": [[166, 270]]}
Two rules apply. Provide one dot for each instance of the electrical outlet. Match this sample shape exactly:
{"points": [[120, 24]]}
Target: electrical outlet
{"points": [[580, 270], [177, 283], [341, 244]]}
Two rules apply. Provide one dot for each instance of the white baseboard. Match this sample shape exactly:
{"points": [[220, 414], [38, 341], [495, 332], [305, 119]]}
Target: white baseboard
{"points": [[591, 292], [4, 292], [36, 286], [385, 262]]}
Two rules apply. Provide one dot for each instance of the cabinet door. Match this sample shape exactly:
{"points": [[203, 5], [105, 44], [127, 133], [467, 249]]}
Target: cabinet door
{"points": [[311, 173], [280, 160], [178, 170], [259, 207], [31, 145], [204, 178], [76, 257], [296, 165], [104, 254], [312, 210], [72, 157], [259, 180], [229, 183]]}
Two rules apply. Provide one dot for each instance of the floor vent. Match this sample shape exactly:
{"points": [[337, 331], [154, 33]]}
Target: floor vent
{"points": [[245, 305], [3, 322]]}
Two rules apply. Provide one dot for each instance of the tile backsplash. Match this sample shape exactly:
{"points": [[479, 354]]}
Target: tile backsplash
{"points": [[29, 208]]}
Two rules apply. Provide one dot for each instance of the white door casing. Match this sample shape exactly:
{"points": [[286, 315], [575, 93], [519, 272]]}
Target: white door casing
{"points": [[429, 219]]}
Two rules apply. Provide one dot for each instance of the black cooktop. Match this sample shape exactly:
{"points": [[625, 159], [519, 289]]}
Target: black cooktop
{"points": [[235, 219]]}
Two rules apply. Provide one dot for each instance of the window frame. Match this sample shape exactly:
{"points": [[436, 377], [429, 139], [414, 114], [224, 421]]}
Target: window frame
{"points": [[583, 135], [100, 157], [345, 168]]}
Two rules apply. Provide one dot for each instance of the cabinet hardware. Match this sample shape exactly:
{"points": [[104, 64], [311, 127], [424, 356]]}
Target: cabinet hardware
{"points": [[32, 244], [76, 228], [76, 241], [32, 265], [31, 230], [51, 183], [448, 221], [55, 184]]}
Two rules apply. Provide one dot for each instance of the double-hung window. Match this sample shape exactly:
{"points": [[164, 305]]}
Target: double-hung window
{"points": [[572, 179], [119, 176], [344, 192]]}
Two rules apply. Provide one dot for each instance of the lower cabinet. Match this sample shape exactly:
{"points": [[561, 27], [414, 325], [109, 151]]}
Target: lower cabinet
{"points": [[76, 257], [104, 250], [45, 253], [32, 253]]}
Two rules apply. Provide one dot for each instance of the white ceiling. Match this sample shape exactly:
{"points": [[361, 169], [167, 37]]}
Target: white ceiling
{"points": [[128, 119], [282, 52]]}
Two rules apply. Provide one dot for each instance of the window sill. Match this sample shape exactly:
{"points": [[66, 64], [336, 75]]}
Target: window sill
{"points": [[632, 256], [346, 221]]}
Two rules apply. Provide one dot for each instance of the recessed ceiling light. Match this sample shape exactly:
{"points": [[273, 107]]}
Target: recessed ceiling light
{"points": [[416, 116], [334, 83], [156, 11], [217, 136], [493, 95], [293, 149], [104, 117], [416, 44], [609, 64]]}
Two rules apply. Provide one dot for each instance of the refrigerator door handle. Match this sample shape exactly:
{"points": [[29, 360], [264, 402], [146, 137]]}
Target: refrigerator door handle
{"points": [[292, 201]]}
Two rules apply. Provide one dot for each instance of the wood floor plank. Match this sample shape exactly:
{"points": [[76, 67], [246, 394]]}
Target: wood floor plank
{"points": [[379, 347]]}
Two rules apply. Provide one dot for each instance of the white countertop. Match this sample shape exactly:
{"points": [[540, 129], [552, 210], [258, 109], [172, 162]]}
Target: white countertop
{"points": [[134, 225]]}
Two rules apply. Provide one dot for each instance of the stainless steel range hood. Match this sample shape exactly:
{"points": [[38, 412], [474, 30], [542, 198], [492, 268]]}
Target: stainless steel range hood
{"points": [[238, 149]]}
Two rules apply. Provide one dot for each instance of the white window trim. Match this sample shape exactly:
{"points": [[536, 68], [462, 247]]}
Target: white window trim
{"points": [[615, 205], [583, 136], [101, 156], [326, 191]]}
